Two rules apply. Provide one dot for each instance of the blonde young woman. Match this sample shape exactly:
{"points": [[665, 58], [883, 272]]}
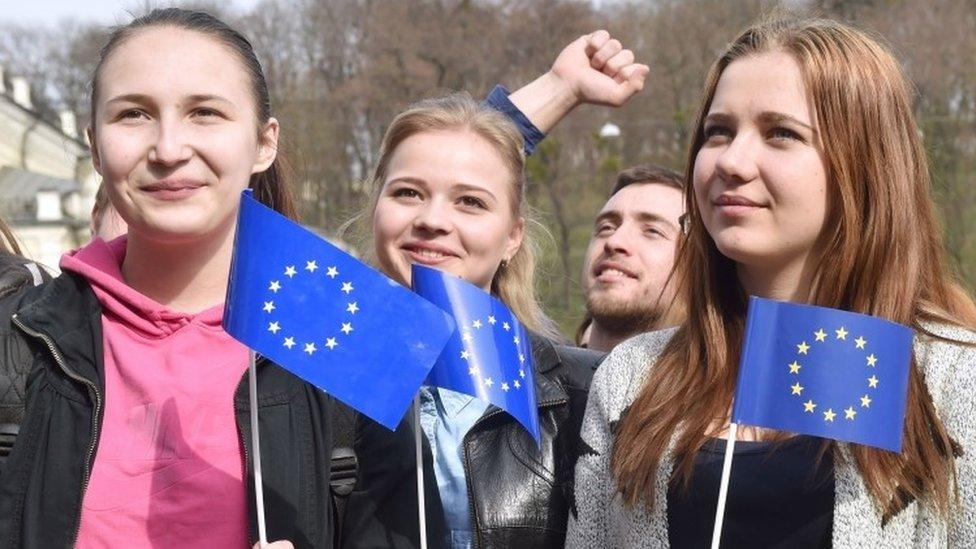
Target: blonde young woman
{"points": [[810, 184], [450, 194]]}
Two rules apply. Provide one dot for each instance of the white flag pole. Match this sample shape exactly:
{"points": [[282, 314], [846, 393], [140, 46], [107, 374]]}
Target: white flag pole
{"points": [[256, 447], [421, 505], [723, 488]]}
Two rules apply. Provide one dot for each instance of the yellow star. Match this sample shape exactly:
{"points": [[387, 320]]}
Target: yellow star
{"points": [[872, 382], [802, 348], [872, 360], [829, 415], [795, 367], [797, 388], [860, 342], [809, 405], [849, 413], [865, 402], [820, 335], [842, 333]]}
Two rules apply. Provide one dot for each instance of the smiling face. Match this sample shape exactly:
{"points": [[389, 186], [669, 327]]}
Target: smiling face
{"points": [[630, 256], [446, 202], [759, 178], [175, 135]]}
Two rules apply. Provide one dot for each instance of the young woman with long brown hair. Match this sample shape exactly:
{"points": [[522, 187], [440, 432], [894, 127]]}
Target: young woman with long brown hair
{"points": [[810, 184]]}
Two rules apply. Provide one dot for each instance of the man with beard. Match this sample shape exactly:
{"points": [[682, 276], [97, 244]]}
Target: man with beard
{"points": [[629, 259]]}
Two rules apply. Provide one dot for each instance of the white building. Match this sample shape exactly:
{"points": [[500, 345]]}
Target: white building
{"points": [[47, 183]]}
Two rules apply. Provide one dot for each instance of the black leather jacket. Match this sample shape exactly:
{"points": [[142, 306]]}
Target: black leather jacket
{"points": [[519, 494], [57, 332]]}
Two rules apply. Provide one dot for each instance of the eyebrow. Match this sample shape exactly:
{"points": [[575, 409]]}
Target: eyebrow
{"points": [[773, 117], [464, 187], [142, 98], [644, 217], [768, 117]]}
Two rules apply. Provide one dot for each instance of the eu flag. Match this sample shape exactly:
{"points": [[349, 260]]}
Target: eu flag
{"points": [[489, 356], [327, 317], [824, 372]]}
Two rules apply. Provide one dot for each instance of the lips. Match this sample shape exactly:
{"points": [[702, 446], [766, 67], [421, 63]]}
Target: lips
{"points": [[173, 185], [735, 206], [428, 253], [172, 189], [609, 271], [734, 200]]}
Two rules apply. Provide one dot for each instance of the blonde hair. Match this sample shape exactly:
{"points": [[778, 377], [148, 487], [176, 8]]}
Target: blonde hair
{"points": [[882, 255], [514, 282]]}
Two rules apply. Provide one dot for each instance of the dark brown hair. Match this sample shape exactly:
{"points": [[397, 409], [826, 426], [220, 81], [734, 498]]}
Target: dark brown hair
{"points": [[648, 173], [270, 186]]}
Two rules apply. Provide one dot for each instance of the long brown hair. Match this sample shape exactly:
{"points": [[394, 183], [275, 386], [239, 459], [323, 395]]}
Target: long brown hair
{"points": [[8, 242], [882, 255], [270, 186], [514, 282]]}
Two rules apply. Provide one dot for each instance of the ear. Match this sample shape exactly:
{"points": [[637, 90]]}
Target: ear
{"points": [[515, 238], [267, 146], [93, 147]]}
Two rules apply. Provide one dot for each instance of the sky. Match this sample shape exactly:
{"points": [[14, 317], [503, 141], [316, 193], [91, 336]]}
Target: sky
{"points": [[98, 11]]}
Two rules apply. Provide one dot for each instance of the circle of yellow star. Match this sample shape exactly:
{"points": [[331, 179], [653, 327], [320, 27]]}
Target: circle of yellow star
{"points": [[797, 388], [794, 367], [865, 401], [872, 360], [809, 405], [841, 333], [820, 335], [802, 348], [872, 382], [829, 415], [860, 342], [849, 413]]}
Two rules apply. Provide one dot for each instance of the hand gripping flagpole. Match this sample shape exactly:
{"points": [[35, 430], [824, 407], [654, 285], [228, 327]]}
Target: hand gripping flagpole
{"points": [[723, 488], [421, 505], [256, 447]]}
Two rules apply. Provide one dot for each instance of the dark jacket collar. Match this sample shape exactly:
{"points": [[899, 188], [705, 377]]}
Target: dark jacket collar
{"points": [[546, 359]]}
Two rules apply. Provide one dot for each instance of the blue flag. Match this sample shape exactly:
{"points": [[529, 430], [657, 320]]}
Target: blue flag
{"points": [[824, 372], [489, 356], [327, 317]]}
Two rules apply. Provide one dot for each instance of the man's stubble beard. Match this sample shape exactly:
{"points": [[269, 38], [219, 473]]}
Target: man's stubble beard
{"points": [[624, 318]]}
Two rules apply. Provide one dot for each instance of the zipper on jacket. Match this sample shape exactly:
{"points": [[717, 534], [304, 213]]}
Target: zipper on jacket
{"points": [[476, 538], [92, 389]]}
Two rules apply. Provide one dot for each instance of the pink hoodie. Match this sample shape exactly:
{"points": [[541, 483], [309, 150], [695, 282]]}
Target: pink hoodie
{"points": [[168, 471]]}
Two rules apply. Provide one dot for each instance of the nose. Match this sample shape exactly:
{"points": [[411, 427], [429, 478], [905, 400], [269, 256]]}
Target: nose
{"points": [[433, 217], [619, 241], [171, 146], [737, 162]]}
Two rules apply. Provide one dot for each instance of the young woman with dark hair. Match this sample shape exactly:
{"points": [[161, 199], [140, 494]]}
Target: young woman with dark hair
{"points": [[136, 426]]}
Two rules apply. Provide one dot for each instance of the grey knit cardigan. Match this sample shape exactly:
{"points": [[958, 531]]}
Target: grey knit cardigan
{"points": [[604, 521]]}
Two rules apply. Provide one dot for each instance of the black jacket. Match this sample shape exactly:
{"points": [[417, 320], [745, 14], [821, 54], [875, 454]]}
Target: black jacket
{"points": [[519, 495], [17, 274], [57, 330]]}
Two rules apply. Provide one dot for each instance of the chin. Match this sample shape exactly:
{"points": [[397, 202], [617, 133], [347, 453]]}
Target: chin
{"points": [[737, 245]]}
